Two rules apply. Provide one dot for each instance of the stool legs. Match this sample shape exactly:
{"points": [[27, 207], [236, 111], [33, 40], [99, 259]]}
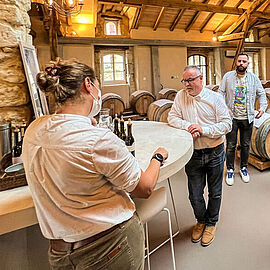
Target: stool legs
{"points": [[174, 208], [147, 246], [171, 236], [148, 253]]}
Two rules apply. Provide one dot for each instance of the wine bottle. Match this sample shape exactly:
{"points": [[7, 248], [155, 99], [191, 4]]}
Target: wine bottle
{"points": [[130, 142], [122, 129], [116, 126], [17, 148], [22, 130]]}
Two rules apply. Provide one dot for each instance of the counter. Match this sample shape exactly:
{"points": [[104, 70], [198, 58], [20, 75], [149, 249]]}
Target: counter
{"points": [[16, 205]]}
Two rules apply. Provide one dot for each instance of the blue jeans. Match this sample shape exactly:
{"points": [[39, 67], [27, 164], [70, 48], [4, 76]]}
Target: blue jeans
{"points": [[245, 137], [206, 165], [121, 249]]}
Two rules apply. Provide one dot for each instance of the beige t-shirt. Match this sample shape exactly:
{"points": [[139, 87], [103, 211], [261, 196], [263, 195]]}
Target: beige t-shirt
{"points": [[79, 176]]}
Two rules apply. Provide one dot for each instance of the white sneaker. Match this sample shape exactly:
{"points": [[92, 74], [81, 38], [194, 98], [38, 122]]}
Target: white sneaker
{"points": [[244, 175], [230, 177]]}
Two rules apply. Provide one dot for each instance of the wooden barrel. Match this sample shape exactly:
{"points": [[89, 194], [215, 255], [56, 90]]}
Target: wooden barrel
{"points": [[265, 84], [140, 101], [260, 139], [158, 110], [212, 87], [113, 102], [257, 103], [167, 93]]}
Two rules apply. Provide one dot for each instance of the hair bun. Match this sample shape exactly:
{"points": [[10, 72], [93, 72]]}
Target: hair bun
{"points": [[46, 82]]}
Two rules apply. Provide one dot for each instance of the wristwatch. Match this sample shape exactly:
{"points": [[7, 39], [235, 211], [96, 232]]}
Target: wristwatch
{"points": [[158, 157]]}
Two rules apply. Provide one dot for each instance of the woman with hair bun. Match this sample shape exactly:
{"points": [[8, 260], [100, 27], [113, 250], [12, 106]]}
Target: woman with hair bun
{"points": [[81, 177]]}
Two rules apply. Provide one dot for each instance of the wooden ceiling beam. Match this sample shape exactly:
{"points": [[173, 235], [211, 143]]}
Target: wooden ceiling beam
{"points": [[124, 10], [231, 37], [194, 18], [180, 4], [156, 24], [256, 4], [267, 32], [241, 41], [103, 8], [136, 19], [226, 18], [177, 18], [211, 15]]}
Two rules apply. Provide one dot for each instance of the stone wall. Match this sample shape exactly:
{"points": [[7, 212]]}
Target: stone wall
{"points": [[15, 25]]}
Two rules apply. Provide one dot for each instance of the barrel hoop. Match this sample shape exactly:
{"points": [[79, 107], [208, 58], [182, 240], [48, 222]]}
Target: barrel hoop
{"points": [[258, 138], [161, 110], [264, 134]]}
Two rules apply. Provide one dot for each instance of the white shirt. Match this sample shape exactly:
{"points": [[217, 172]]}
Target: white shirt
{"points": [[78, 175], [207, 109]]}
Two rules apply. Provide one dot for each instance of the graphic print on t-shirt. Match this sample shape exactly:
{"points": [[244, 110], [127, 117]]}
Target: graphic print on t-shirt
{"points": [[240, 96]]}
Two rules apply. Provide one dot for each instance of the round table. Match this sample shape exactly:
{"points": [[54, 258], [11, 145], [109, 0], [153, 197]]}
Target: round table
{"points": [[150, 135]]}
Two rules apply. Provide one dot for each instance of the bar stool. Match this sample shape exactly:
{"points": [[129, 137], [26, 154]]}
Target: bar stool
{"points": [[149, 208]]}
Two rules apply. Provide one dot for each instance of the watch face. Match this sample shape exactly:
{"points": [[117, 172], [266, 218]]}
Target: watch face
{"points": [[160, 157]]}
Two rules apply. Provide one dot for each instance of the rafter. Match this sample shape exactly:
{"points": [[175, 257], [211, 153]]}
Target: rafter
{"points": [[226, 18], [267, 32], [124, 11], [194, 18], [231, 37], [210, 16], [156, 24], [180, 4], [136, 19], [177, 18], [242, 40], [256, 4]]}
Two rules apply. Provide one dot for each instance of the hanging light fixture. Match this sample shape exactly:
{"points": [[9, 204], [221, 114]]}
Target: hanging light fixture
{"points": [[65, 7]]}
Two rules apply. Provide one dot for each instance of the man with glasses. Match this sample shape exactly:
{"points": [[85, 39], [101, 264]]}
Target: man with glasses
{"points": [[240, 89], [202, 113]]}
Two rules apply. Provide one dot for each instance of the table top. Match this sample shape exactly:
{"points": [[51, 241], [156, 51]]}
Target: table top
{"points": [[17, 207], [150, 135]]}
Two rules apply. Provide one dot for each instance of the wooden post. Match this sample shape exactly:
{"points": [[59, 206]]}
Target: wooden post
{"points": [[53, 36], [155, 70]]}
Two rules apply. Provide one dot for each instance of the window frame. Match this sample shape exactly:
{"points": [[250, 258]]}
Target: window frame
{"points": [[116, 22], [205, 76], [113, 82]]}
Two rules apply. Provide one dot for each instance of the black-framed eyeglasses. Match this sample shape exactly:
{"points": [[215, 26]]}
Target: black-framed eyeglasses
{"points": [[190, 79]]}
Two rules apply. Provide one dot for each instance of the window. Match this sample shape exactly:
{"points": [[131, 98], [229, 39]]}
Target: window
{"points": [[112, 27], [200, 61], [113, 68]]}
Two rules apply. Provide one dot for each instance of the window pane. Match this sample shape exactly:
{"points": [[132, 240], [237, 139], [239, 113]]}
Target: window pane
{"points": [[111, 28], [197, 60], [118, 58], [107, 58], [190, 60], [119, 76], [202, 60], [108, 76], [108, 67], [119, 67]]}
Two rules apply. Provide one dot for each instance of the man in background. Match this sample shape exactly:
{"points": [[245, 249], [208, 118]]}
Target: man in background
{"points": [[240, 89], [203, 113]]}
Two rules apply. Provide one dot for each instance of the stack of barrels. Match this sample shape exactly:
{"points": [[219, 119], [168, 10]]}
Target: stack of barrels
{"points": [[159, 109]]}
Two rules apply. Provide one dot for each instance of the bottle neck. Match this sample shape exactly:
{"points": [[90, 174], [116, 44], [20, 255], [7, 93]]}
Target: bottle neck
{"points": [[129, 130], [122, 126]]}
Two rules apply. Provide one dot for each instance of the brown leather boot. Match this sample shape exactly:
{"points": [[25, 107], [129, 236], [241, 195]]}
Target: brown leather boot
{"points": [[197, 232], [208, 235]]}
